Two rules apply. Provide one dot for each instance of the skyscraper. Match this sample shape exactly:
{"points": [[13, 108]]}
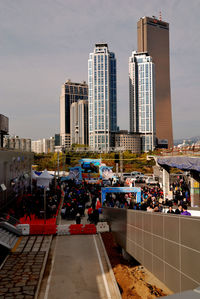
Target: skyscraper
{"points": [[71, 92], [142, 98], [102, 97], [153, 38], [79, 122]]}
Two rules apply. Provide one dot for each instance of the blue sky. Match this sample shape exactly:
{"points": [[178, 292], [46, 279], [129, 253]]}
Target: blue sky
{"points": [[45, 42]]}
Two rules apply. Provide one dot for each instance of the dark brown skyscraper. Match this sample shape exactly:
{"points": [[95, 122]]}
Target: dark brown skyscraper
{"points": [[153, 37]]}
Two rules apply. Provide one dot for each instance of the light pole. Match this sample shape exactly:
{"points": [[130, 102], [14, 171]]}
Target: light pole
{"points": [[58, 164], [45, 208]]}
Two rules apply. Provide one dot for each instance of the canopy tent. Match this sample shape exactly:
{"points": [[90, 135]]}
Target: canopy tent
{"points": [[44, 179], [34, 175]]}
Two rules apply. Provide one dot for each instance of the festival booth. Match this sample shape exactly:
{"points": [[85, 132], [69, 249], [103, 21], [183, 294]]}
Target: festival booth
{"points": [[90, 170], [120, 190], [37, 226], [44, 179]]}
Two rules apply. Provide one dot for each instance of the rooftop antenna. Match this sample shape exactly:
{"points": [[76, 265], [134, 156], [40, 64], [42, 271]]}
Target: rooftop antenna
{"points": [[160, 16]]}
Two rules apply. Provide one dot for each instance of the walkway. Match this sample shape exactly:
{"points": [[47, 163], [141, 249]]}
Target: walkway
{"points": [[79, 270], [21, 273]]}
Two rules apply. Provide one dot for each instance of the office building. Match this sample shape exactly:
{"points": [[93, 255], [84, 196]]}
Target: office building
{"points": [[79, 122], [128, 142], [74, 123], [83, 122], [70, 92], [142, 98], [102, 97], [4, 125], [153, 38]]}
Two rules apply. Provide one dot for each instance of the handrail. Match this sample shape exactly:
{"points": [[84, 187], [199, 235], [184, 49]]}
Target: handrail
{"points": [[8, 218]]}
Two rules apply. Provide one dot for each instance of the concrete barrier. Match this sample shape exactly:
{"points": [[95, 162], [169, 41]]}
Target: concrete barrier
{"points": [[24, 229], [102, 227]]}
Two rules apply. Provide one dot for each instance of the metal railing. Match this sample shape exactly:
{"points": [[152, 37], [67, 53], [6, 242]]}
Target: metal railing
{"points": [[4, 217]]}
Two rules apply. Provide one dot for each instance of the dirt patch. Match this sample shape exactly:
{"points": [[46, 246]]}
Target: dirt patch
{"points": [[130, 276]]}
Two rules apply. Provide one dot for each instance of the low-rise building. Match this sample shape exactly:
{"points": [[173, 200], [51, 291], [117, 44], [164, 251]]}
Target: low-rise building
{"points": [[23, 144], [45, 145], [128, 141]]}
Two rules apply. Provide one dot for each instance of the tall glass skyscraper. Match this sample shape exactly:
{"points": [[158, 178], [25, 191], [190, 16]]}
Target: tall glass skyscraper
{"points": [[142, 98], [102, 97], [71, 92], [153, 38]]}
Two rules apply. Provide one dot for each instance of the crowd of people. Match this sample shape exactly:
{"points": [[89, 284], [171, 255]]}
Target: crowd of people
{"points": [[152, 200], [84, 198], [31, 204], [181, 191], [81, 197]]}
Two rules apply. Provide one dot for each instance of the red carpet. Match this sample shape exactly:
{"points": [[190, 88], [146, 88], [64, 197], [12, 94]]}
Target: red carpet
{"points": [[35, 220]]}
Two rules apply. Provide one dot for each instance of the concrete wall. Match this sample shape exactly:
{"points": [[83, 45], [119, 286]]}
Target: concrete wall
{"points": [[13, 166], [167, 245]]}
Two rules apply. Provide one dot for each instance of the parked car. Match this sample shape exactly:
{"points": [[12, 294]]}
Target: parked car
{"points": [[140, 179], [136, 173], [151, 181]]}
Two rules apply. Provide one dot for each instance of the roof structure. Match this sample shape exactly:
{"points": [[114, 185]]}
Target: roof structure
{"points": [[183, 163]]}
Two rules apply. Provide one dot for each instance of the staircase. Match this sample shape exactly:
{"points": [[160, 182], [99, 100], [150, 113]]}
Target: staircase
{"points": [[9, 234], [7, 239]]}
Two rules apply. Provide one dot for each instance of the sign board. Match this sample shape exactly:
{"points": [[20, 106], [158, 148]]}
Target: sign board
{"points": [[136, 190]]}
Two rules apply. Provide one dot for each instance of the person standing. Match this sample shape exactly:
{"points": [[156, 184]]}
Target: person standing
{"points": [[178, 210], [185, 212], [78, 218], [170, 211]]}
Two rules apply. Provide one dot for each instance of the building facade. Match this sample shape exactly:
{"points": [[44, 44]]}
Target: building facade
{"points": [[22, 144], [142, 99], [15, 175], [45, 145], [102, 97], [79, 122], [153, 38], [70, 92], [128, 142]]}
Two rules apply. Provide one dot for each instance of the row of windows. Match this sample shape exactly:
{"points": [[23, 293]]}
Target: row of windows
{"points": [[100, 58], [76, 90]]}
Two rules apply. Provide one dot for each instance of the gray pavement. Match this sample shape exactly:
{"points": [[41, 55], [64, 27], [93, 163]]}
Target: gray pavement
{"points": [[79, 270]]}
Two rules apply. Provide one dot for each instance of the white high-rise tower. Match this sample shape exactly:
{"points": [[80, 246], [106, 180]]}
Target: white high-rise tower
{"points": [[142, 98], [102, 97]]}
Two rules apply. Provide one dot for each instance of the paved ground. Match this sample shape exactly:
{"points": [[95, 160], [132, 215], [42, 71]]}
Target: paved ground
{"points": [[78, 270], [20, 275]]}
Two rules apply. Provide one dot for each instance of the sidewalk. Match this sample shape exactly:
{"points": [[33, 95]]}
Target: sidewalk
{"points": [[22, 271]]}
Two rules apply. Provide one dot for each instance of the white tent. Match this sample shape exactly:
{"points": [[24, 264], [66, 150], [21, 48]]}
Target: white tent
{"points": [[44, 179], [34, 175]]}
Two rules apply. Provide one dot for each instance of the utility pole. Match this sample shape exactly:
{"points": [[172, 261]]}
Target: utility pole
{"points": [[45, 205], [121, 163], [58, 164], [117, 169], [63, 151]]}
